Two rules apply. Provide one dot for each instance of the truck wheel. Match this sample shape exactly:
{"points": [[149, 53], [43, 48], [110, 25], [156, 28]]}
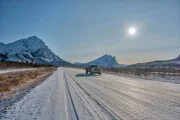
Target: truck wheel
{"points": [[86, 72], [99, 73], [91, 73]]}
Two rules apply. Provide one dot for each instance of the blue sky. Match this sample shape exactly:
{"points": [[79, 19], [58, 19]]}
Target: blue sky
{"points": [[83, 30]]}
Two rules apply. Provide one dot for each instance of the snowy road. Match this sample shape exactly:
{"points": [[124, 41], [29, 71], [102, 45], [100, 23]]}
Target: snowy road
{"points": [[69, 94]]}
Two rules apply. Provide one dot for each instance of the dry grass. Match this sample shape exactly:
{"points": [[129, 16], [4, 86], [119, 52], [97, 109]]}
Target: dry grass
{"points": [[1, 78], [14, 79]]}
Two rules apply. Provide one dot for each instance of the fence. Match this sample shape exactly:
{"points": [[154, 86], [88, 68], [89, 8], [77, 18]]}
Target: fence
{"points": [[158, 72]]}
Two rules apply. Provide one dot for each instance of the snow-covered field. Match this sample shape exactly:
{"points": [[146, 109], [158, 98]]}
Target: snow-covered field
{"points": [[15, 70], [69, 94]]}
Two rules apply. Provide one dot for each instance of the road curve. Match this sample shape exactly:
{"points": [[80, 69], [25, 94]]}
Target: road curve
{"points": [[69, 94]]}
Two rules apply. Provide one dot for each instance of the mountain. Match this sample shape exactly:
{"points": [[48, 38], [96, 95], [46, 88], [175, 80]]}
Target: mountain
{"points": [[174, 63], [31, 49], [177, 59], [106, 61]]}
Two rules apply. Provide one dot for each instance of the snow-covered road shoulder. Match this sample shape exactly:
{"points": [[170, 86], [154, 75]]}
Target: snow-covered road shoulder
{"points": [[45, 102]]}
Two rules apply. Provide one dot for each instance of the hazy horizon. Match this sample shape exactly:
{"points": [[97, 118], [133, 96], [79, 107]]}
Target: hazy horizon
{"points": [[83, 31]]}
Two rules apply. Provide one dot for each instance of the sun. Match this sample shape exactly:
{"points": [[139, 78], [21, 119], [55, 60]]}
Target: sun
{"points": [[132, 31]]}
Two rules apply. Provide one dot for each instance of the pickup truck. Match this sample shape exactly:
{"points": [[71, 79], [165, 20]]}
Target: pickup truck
{"points": [[92, 69]]}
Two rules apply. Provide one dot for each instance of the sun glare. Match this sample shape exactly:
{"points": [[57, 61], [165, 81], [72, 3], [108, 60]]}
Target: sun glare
{"points": [[132, 31]]}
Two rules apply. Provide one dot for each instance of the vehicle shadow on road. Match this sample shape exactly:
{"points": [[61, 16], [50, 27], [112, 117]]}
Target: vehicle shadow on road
{"points": [[86, 75]]}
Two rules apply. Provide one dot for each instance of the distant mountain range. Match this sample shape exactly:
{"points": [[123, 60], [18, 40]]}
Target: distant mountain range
{"points": [[31, 49], [173, 63], [106, 61]]}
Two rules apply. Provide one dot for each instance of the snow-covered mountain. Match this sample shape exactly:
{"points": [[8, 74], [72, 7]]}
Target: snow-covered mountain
{"points": [[31, 49], [174, 63], [105, 61]]}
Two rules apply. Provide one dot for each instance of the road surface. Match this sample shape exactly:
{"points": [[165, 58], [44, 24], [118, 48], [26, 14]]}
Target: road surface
{"points": [[69, 94]]}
